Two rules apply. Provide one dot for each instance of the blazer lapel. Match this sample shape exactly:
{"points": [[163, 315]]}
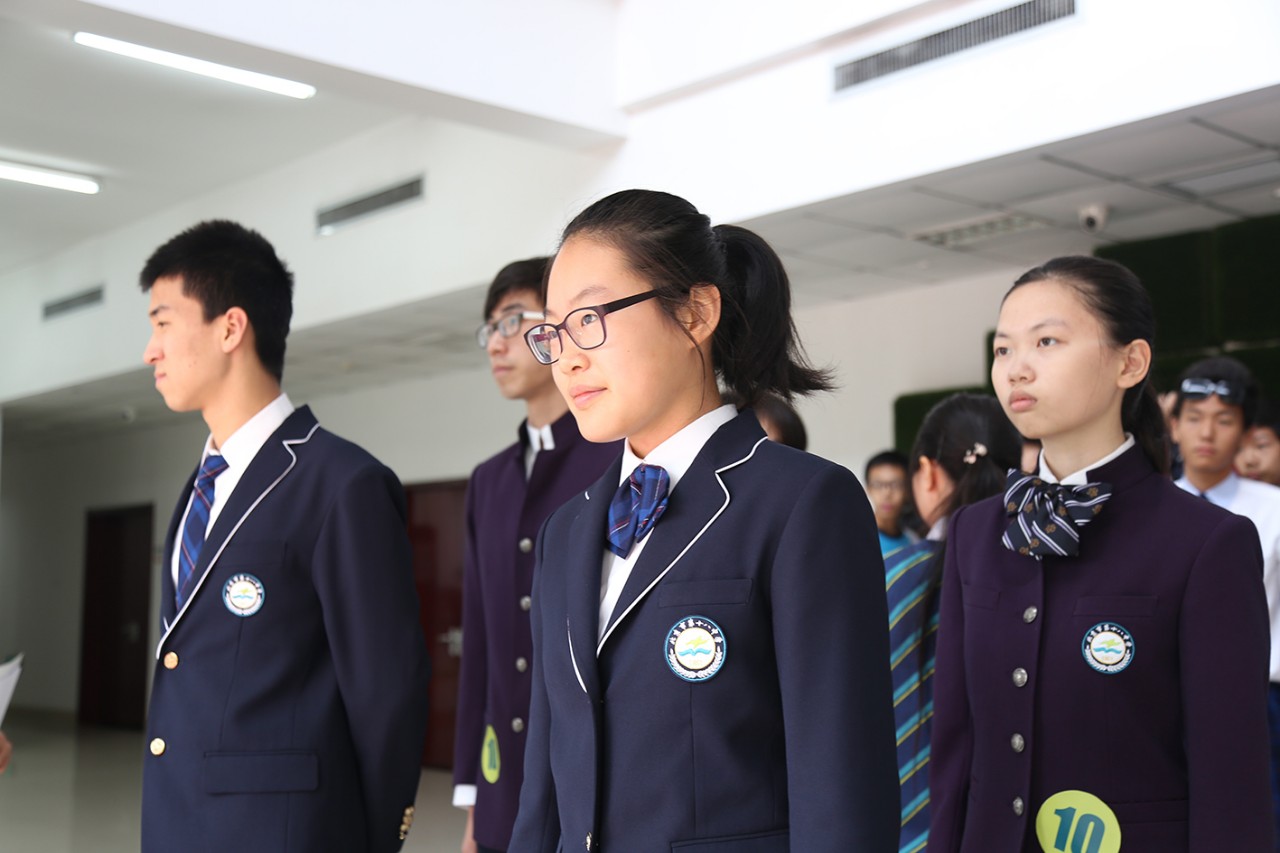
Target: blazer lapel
{"points": [[584, 560], [168, 609], [694, 507], [272, 464]]}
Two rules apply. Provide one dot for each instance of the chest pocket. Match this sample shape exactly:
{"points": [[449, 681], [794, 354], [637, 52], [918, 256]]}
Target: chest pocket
{"points": [[720, 591], [1115, 606]]}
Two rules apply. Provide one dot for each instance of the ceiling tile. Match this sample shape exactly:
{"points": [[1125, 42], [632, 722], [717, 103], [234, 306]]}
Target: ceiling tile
{"points": [[1180, 145], [905, 211], [1123, 200], [1259, 122], [1007, 183]]}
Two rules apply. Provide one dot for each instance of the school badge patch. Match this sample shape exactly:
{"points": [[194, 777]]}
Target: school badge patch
{"points": [[243, 595], [1108, 648], [695, 648]]}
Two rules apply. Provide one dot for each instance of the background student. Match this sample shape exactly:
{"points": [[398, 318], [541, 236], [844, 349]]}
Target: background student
{"points": [[961, 454], [711, 661], [1083, 699], [886, 482], [1259, 456], [509, 497]]}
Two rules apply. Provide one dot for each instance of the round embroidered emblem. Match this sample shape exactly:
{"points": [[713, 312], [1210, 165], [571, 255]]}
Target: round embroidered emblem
{"points": [[695, 648], [1108, 648], [243, 595]]}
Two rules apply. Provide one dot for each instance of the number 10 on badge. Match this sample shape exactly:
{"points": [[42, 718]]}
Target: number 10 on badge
{"points": [[1077, 822]]}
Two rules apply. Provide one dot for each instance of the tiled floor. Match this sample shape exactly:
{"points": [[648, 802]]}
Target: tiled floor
{"points": [[72, 790]]}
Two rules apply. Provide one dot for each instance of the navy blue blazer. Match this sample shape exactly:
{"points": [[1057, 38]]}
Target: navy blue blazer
{"points": [[289, 703], [504, 513], [789, 745], [1170, 733]]}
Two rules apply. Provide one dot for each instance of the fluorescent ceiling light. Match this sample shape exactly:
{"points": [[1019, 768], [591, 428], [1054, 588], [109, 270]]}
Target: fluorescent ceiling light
{"points": [[47, 178], [253, 79]]}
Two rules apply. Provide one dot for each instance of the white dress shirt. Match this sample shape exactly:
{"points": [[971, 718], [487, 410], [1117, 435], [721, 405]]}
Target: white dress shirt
{"points": [[1260, 503], [676, 455], [239, 450], [1079, 478], [540, 438]]}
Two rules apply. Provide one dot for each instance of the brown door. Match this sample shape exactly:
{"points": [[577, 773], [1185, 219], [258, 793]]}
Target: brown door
{"points": [[437, 525], [117, 601]]}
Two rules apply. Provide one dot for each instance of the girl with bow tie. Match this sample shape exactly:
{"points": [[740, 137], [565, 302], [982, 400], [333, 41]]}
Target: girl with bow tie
{"points": [[1103, 660], [710, 656]]}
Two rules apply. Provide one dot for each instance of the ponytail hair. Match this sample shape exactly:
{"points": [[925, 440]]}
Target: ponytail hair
{"points": [[1116, 297], [755, 349], [970, 437]]}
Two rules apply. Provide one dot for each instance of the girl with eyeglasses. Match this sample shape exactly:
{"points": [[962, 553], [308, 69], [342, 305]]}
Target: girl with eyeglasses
{"points": [[1102, 672], [711, 661]]}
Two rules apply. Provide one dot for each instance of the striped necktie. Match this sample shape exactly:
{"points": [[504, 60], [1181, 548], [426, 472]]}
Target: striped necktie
{"points": [[197, 523], [1044, 518], [636, 507]]}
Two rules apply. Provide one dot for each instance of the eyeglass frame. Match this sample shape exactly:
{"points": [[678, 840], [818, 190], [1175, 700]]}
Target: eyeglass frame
{"points": [[486, 330], [600, 310], [1198, 388]]}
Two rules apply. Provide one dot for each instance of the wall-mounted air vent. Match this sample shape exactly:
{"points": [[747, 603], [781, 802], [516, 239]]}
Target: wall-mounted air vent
{"points": [[74, 302], [328, 219], [995, 26]]}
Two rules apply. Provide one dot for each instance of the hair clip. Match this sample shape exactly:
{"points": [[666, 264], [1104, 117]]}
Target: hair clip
{"points": [[978, 449]]}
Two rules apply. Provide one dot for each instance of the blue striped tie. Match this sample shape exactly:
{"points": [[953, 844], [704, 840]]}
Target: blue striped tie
{"points": [[1045, 517], [193, 531], [636, 507]]}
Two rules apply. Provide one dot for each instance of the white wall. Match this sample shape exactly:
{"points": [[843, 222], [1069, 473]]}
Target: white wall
{"points": [[488, 196]]}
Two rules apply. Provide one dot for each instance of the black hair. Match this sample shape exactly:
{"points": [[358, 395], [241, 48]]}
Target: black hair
{"points": [[886, 457], [1116, 297], [1223, 368], [780, 414], [1268, 416], [755, 348], [529, 274], [974, 442], [224, 265]]}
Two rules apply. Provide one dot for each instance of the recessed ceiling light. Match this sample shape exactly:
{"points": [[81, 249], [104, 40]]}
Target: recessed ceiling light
{"points": [[253, 79], [51, 178], [980, 230]]}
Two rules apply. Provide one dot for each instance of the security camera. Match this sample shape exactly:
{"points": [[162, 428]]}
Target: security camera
{"points": [[1093, 218]]}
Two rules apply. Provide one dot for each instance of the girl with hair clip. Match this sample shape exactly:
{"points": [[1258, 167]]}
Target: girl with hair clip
{"points": [[710, 661], [1102, 681], [960, 456]]}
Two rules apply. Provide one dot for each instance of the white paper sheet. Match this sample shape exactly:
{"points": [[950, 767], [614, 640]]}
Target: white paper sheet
{"points": [[9, 672]]}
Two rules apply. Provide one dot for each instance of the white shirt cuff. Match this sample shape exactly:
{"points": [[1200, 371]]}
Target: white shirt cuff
{"points": [[464, 796]]}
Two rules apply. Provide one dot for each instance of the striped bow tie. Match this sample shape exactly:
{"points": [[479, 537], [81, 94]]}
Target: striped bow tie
{"points": [[1044, 518]]}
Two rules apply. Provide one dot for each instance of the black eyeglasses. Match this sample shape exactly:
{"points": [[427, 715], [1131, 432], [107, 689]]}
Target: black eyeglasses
{"points": [[508, 325], [1198, 389], [585, 327]]}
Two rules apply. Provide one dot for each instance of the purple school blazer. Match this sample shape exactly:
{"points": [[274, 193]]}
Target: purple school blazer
{"points": [[504, 514], [1135, 672]]}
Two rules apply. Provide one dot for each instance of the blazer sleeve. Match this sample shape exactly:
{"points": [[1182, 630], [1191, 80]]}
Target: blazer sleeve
{"points": [[537, 827], [474, 676], [363, 574], [1224, 640], [951, 747], [831, 626]]}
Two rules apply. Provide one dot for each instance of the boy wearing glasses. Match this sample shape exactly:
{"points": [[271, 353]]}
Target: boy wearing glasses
{"points": [[886, 479], [1217, 403], [508, 498]]}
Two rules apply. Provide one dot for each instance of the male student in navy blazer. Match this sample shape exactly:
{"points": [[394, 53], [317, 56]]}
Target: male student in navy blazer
{"points": [[289, 703]]}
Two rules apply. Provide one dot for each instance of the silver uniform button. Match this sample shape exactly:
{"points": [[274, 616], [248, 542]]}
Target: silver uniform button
{"points": [[526, 545], [1017, 806], [521, 664], [588, 841], [1029, 615], [525, 602], [1018, 742], [1019, 677], [517, 725]]}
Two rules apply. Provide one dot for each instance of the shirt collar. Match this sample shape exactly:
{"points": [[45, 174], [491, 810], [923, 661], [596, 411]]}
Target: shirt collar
{"points": [[677, 453], [938, 533], [540, 438], [244, 444], [1079, 478], [1223, 494]]}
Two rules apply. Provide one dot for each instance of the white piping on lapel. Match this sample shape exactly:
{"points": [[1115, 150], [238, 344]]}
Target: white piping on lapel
{"points": [[288, 442], [572, 657], [705, 528]]}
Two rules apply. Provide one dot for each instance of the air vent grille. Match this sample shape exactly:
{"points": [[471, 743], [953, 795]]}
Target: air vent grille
{"points": [[74, 302], [995, 26], [328, 219]]}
